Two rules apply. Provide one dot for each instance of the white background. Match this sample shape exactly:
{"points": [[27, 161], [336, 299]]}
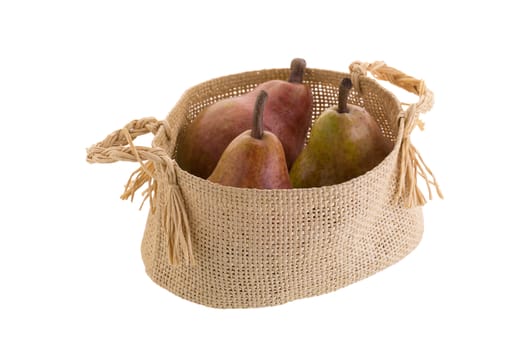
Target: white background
{"points": [[71, 276]]}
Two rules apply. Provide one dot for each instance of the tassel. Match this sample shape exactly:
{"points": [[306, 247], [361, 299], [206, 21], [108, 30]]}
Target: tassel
{"points": [[174, 218], [411, 165], [176, 225], [137, 179]]}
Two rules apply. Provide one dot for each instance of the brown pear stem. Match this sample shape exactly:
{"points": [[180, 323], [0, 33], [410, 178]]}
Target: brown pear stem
{"points": [[344, 91], [297, 67], [258, 128]]}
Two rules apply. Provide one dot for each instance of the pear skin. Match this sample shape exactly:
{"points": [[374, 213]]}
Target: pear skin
{"points": [[288, 114], [345, 142], [206, 138], [254, 159]]}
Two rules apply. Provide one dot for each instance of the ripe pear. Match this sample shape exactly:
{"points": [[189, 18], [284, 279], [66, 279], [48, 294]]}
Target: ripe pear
{"points": [[345, 142], [255, 158], [288, 116]]}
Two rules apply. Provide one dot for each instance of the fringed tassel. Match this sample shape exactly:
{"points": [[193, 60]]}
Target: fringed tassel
{"points": [[176, 224], [138, 178], [411, 165], [173, 212]]}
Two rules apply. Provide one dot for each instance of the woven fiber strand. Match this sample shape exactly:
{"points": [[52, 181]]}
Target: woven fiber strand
{"points": [[255, 248]]}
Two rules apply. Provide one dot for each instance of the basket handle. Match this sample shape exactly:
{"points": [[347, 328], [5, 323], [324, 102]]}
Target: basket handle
{"points": [[411, 163], [156, 169], [118, 146]]}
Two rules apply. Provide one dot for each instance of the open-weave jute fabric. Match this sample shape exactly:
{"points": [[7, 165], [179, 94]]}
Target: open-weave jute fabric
{"points": [[229, 247]]}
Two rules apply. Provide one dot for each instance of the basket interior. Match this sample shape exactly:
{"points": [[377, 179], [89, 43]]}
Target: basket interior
{"points": [[380, 103]]}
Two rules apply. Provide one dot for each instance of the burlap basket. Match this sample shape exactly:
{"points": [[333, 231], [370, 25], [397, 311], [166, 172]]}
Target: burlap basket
{"points": [[228, 247]]}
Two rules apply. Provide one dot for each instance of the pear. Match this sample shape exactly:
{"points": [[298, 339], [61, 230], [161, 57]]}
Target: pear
{"points": [[345, 142], [288, 115], [255, 158]]}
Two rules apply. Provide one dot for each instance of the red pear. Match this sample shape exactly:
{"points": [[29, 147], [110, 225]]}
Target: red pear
{"points": [[255, 158], [288, 112]]}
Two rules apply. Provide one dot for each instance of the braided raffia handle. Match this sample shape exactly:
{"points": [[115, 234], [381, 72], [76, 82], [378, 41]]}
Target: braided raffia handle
{"points": [[156, 168], [411, 164]]}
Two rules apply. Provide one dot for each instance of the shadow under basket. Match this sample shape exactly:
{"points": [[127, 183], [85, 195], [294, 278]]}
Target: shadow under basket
{"points": [[227, 247]]}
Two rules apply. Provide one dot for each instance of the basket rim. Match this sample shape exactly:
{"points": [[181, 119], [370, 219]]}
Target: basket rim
{"points": [[308, 73]]}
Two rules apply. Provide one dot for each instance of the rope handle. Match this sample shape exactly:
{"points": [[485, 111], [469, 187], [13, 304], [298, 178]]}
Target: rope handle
{"points": [[156, 169], [118, 146], [411, 164]]}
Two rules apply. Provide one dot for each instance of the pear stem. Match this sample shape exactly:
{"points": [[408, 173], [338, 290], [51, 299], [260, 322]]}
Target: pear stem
{"points": [[297, 67], [344, 91], [258, 128]]}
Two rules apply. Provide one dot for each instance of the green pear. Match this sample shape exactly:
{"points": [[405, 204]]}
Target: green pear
{"points": [[255, 158], [345, 142]]}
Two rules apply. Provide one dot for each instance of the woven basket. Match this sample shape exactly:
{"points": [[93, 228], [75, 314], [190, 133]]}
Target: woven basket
{"points": [[228, 247]]}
